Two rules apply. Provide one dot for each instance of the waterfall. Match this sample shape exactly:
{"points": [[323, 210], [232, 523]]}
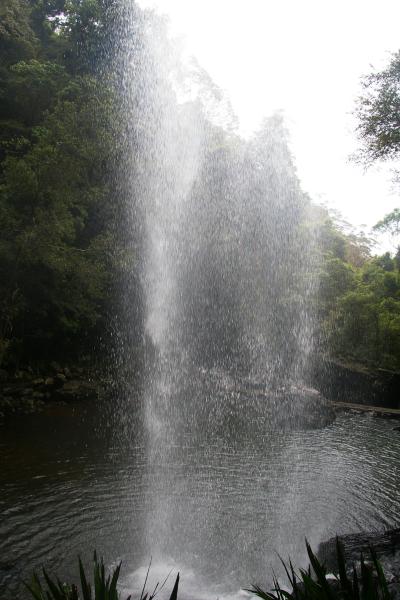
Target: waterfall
{"points": [[227, 272]]}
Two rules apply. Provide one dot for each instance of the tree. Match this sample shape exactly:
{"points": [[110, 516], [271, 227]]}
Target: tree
{"points": [[378, 128], [390, 223], [56, 242], [17, 37], [378, 114]]}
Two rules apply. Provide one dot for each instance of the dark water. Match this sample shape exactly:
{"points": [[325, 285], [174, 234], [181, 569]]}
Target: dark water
{"points": [[69, 485]]}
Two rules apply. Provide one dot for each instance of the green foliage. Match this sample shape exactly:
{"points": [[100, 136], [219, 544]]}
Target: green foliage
{"points": [[390, 223], [337, 278], [369, 583], [103, 588], [379, 114], [359, 303], [17, 37], [31, 90], [58, 205], [56, 241]]}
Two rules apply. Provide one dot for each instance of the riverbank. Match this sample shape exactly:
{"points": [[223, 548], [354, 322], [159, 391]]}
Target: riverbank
{"points": [[347, 386], [375, 411], [386, 544], [29, 391], [354, 383]]}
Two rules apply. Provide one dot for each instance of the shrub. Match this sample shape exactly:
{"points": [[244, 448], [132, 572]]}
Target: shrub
{"points": [[104, 588]]}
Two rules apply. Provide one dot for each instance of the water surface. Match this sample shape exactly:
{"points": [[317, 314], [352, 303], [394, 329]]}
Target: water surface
{"points": [[216, 509]]}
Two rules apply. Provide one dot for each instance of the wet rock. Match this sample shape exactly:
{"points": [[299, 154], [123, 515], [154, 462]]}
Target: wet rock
{"points": [[386, 545], [12, 391], [49, 381], [38, 381], [342, 382], [76, 389]]}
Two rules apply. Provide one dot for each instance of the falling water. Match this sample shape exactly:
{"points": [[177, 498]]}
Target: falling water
{"points": [[228, 278]]}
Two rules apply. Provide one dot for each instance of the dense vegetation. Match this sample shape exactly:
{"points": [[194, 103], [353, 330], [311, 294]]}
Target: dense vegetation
{"points": [[70, 230], [360, 294], [367, 581], [104, 587], [60, 259], [359, 301]]}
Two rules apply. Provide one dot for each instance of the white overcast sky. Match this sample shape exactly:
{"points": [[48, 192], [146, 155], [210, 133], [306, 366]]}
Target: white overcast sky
{"points": [[306, 58]]}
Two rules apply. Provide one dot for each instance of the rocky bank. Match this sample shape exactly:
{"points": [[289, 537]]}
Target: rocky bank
{"points": [[345, 382], [386, 545], [27, 391]]}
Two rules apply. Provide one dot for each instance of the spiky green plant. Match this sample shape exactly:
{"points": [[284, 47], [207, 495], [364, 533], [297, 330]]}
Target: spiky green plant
{"points": [[104, 587], [312, 584], [308, 584]]}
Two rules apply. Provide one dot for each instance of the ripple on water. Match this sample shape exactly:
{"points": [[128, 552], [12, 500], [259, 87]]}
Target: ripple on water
{"points": [[218, 511]]}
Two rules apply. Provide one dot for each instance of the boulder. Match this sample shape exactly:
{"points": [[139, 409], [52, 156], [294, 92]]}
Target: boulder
{"points": [[386, 545], [342, 382], [76, 389]]}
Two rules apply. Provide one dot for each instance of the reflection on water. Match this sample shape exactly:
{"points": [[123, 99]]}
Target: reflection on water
{"points": [[69, 486]]}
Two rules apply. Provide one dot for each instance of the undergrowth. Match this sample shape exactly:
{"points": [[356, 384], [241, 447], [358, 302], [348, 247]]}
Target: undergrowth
{"points": [[366, 581]]}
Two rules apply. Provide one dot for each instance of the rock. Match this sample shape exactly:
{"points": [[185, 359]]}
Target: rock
{"points": [[61, 377], [49, 381], [3, 375], [72, 385], [38, 381], [342, 382], [14, 391], [386, 542], [27, 392], [38, 395], [386, 545], [76, 389]]}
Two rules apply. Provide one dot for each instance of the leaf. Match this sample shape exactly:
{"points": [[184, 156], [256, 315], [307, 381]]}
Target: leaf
{"points": [[343, 577], [174, 594], [86, 591]]}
